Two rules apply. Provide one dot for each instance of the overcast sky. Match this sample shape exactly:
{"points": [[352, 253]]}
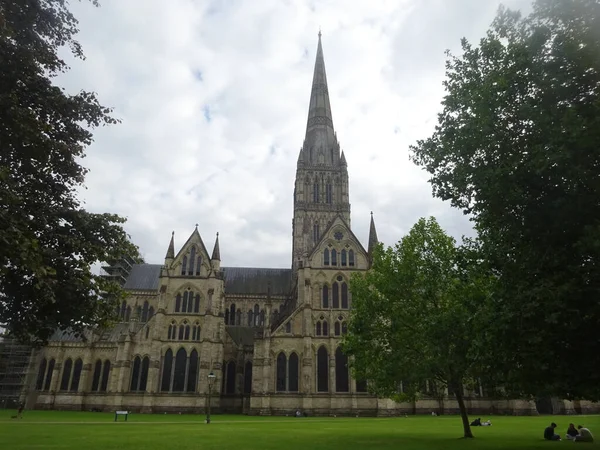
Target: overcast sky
{"points": [[213, 98]]}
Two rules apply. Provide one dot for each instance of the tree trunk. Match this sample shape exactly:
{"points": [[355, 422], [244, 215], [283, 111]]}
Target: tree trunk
{"points": [[463, 410]]}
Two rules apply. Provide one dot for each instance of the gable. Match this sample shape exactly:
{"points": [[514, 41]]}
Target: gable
{"points": [[199, 250], [340, 237]]}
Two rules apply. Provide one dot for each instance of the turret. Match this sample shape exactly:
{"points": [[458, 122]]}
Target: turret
{"points": [[170, 256], [215, 260], [372, 238]]}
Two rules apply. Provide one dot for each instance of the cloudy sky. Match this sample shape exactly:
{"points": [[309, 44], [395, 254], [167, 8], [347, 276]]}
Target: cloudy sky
{"points": [[213, 98]]}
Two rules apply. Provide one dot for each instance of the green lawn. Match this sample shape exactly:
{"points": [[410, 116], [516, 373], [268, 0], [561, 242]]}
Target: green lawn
{"points": [[91, 431]]}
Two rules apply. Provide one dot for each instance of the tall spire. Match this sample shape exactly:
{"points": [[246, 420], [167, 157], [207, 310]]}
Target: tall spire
{"points": [[372, 237], [320, 143], [171, 249], [216, 254]]}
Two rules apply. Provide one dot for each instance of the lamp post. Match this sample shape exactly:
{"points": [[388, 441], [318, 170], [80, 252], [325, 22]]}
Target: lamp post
{"points": [[211, 380]]}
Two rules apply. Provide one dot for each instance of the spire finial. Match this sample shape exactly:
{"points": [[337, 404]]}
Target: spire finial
{"points": [[216, 254], [371, 213], [171, 249], [319, 31], [196, 226]]}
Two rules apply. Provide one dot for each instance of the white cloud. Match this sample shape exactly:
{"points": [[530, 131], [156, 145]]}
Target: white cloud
{"points": [[166, 67]]}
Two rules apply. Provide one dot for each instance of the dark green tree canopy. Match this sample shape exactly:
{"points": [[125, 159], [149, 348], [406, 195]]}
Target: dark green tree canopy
{"points": [[517, 147], [417, 315], [47, 240]]}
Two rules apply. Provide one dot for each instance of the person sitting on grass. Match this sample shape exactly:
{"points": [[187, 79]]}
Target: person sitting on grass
{"points": [[487, 423], [549, 433], [585, 435], [571, 432], [476, 422]]}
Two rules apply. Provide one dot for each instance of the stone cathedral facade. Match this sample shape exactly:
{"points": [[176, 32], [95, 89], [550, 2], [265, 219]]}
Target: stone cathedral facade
{"points": [[270, 336]]}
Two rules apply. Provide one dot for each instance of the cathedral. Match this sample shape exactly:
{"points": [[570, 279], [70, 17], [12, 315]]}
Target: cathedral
{"points": [[249, 340]]}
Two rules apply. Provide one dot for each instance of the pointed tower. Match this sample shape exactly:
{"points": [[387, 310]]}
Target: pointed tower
{"points": [[170, 256], [215, 260], [321, 187], [372, 237]]}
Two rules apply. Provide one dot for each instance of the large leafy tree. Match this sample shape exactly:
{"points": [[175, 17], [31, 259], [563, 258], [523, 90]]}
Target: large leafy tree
{"points": [[47, 240], [417, 315], [517, 146]]}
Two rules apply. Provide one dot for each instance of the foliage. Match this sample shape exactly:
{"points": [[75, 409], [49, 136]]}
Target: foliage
{"points": [[415, 315], [516, 146], [47, 240]]}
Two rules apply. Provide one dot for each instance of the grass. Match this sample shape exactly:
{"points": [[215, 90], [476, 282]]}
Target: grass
{"points": [[91, 431]]}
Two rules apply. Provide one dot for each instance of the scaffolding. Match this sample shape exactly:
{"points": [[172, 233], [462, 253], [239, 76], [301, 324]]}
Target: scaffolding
{"points": [[118, 269], [15, 363]]}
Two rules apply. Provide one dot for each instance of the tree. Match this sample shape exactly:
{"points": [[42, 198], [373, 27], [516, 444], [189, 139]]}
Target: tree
{"points": [[415, 316], [47, 240], [517, 147]]}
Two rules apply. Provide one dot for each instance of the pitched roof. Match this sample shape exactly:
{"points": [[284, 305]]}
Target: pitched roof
{"points": [[255, 280], [143, 277]]}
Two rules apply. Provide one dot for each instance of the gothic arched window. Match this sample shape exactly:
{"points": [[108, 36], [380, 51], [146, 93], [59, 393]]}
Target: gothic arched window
{"points": [[250, 320], [333, 257], [198, 265], [341, 371], [145, 312], [165, 384], [192, 372], [178, 303], [238, 317], [328, 193], [316, 193], [344, 328], [343, 257], [326, 257], [123, 309], [76, 375], [128, 314], [227, 317], [144, 374], [230, 384], [256, 315], [197, 304], [316, 232], [184, 265], [66, 375], [351, 258], [232, 314], [105, 376], [135, 374], [39, 383], [192, 261], [150, 313], [325, 328], [187, 333], [48, 381], [184, 305], [325, 299], [344, 295], [318, 329], [179, 372], [322, 370], [181, 332], [97, 374], [293, 373], [336, 328], [335, 301], [281, 372]]}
